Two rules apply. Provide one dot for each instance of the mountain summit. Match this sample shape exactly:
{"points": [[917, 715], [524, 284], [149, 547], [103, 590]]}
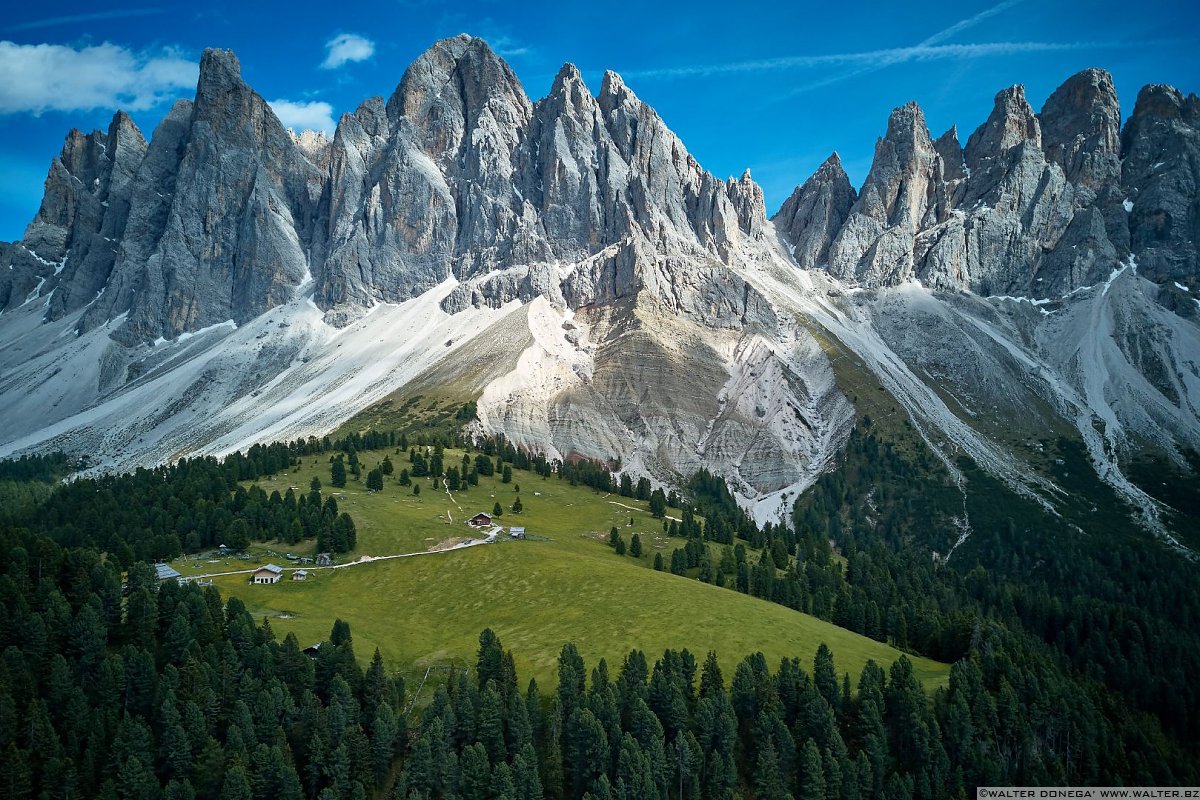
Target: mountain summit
{"points": [[566, 263]]}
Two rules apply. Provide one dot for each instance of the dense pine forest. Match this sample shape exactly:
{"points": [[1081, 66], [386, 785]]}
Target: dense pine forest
{"points": [[1071, 653]]}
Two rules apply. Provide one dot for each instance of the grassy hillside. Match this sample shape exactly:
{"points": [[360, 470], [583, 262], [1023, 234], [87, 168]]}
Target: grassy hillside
{"points": [[564, 584]]}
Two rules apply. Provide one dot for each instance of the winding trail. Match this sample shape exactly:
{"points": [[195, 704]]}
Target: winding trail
{"points": [[361, 560]]}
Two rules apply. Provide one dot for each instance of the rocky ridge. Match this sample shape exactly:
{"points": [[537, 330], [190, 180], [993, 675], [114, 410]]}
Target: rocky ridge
{"points": [[1035, 204], [230, 280]]}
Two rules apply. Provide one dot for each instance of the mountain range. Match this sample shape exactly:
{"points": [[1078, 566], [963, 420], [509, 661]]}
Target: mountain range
{"points": [[567, 264]]}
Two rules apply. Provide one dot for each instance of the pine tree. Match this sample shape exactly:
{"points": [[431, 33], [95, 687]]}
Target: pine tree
{"points": [[489, 658], [338, 472], [812, 775], [635, 546], [658, 503], [768, 779], [825, 677]]}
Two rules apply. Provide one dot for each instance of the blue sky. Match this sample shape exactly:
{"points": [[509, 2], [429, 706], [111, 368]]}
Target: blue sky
{"points": [[771, 86]]}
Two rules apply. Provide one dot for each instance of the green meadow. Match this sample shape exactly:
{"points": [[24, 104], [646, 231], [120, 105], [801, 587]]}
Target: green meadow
{"points": [[564, 583]]}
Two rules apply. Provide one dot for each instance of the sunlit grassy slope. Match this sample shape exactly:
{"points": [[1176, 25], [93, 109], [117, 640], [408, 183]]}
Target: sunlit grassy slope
{"points": [[564, 584]]}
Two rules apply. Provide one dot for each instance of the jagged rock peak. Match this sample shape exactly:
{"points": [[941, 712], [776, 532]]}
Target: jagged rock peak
{"points": [[1085, 100], [1163, 101], [811, 217], [832, 165], [371, 114], [123, 125], [463, 65], [218, 68], [906, 122], [568, 74], [1081, 127], [614, 92], [948, 147], [1011, 123], [569, 89]]}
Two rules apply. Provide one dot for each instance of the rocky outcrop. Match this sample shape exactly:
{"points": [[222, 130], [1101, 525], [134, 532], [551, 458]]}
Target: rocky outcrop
{"points": [[1160, 173], [72, 242], [815, 212], [604, 295], [1035, 204], [464, 176], [904, 193]]}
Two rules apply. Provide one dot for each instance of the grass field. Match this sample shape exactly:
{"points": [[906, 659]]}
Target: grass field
{"points": [[564, 584]]}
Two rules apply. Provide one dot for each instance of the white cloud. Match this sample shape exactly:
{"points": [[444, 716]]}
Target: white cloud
{"points": [[51, 77], [507, 46], [345, 48], [312, 116]]}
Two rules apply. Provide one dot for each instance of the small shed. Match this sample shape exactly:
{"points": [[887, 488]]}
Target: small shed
{"points": [[324, 560], [516, 532], [267, 573], [300, 575], [165, 572], [312, 650], [480, 520]]}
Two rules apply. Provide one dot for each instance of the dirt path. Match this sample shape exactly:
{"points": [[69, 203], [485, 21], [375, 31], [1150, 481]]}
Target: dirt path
{"points": [[641, 510], [359, 561]]}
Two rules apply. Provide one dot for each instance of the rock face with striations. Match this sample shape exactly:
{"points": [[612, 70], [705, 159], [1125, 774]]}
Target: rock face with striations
{"points": [[1034, 205], [601, 293], [224, 214], [815, 212]]}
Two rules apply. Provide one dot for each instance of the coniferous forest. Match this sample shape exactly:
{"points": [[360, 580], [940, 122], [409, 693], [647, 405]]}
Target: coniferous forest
{"points": [[1071, 658]]}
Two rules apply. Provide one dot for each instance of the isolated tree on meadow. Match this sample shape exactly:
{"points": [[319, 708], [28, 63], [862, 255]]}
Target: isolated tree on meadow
{"points": [[658, 503], [338, 472]]}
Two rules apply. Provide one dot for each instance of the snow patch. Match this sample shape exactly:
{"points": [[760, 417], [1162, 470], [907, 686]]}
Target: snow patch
{"points": [[1127, 204], [183, 337], [37, 291]]}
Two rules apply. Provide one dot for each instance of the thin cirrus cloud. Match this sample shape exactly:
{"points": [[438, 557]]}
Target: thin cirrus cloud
{"points": [[507, 46], [873, 58], [315, 115], [347, 48], [36, 78], [931, 48], [95, 16]]}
